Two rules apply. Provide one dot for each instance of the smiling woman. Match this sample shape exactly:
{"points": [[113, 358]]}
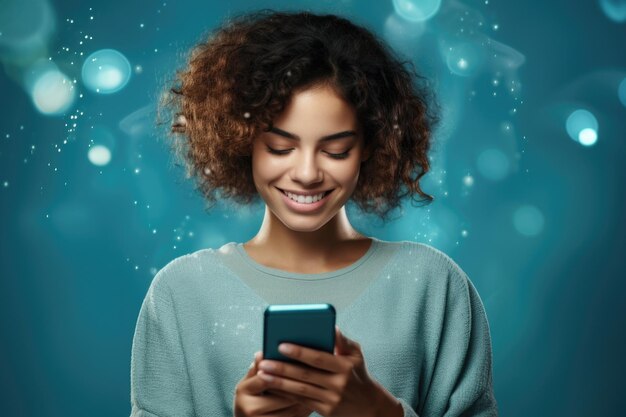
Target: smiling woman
{"points": [[299, 172], [243, 76], [307, 112]]}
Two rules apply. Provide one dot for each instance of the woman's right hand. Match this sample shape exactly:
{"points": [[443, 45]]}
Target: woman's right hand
{"points": [[251, 401]]}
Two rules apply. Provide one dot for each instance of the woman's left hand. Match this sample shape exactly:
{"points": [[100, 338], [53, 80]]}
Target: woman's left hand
{"points": [[333, 385]]}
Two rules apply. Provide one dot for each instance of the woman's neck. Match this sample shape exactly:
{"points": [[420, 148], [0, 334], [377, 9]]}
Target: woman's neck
{"points": [[332, 246]]}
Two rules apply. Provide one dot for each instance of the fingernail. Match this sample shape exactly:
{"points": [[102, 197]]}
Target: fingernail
{"points": [[283, 348], [267, 366], [265, 376]]}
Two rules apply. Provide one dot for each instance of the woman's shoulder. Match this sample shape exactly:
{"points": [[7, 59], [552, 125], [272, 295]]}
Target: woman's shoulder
{"points": [[412, 252], [426, 262], [197, 266]]}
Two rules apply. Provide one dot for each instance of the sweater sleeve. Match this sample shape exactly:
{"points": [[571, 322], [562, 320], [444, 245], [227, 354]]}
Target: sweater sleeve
{"points": [[159, 380], [461, 384]]}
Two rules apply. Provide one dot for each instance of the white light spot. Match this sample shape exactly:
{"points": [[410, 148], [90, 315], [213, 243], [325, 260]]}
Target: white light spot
{"points": [[464, 59], [578, 121], [587, 137], [99, 155], [53, 93]]}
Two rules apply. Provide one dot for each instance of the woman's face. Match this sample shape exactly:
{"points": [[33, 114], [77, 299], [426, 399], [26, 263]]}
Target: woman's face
{"points": [[321, 150]]}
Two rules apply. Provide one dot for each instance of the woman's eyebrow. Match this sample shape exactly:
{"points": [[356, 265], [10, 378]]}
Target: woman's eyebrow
{"points": [[340, 135]]}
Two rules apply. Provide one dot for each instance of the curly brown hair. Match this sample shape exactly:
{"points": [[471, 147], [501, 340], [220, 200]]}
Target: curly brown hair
{"points": [[237, 81]]}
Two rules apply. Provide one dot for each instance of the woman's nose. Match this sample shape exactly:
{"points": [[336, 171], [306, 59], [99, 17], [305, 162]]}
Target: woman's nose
{"points": [[307, 169]]}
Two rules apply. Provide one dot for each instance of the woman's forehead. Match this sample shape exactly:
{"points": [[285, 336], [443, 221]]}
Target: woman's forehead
{"points": [[317, 106]]}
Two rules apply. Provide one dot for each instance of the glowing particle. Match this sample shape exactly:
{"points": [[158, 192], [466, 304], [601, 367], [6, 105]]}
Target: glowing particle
{"points": [[464, 59]]}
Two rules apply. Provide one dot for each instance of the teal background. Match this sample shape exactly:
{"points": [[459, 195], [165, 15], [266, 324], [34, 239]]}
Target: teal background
{"points": [[79, 244]]}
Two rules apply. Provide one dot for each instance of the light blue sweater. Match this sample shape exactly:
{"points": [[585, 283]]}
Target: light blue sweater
{"points": [[417, 316]]}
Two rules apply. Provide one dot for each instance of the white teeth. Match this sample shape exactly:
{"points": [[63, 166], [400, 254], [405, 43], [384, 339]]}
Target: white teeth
{"points": [[305, 199]]}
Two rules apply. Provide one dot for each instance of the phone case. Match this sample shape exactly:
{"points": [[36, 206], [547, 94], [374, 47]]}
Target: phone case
{"points": [[311, 325]]}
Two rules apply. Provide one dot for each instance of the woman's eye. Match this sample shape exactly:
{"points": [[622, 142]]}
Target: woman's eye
{"points": [[277, 152], [342, 155]]}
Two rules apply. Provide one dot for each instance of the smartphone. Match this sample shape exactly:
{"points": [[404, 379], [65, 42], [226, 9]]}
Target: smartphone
{"points": [[310, 325]]}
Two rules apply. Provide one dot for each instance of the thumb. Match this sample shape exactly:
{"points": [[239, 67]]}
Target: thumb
{"points": [[254, 366]]}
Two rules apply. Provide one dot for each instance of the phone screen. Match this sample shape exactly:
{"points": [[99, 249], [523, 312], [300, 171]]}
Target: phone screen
{"points": [[310, 325]]}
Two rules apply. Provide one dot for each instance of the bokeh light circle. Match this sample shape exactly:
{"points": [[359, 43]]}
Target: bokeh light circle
{"points": [[99, 155], [587, 137], [402, 34], [416, 10], [580, 120], [106, 71], [621, 92], [528, 220], [493, 164], [614, 9], [25, 30], [463, 59], [52, 92]]}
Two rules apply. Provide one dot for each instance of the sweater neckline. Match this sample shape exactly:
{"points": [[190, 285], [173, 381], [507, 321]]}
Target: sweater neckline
{"points": [[312, 277]]}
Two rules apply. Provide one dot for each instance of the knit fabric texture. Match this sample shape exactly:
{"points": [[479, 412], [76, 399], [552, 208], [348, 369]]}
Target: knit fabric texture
{"points": [[419, 320]]}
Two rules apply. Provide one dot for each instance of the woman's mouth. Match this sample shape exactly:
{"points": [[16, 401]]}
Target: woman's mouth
{"points": [[304, 203]]}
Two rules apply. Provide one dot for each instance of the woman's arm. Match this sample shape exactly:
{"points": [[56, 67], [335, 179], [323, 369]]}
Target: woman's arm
{"points": [[462, 380], [159, 380]]}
